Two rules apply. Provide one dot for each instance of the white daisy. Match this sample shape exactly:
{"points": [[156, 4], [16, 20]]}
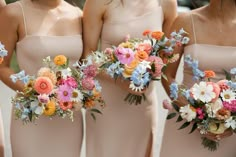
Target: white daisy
{"points": [[77, 96], [37, 108], [187, 113], [145, 64], [230, 123], [203, 92], [66, 72], [228, 95]]}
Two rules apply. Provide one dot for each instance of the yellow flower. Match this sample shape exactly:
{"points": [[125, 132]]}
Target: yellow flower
{"points": [[130, 68], [126, 45], [50, 108], [60, 60], [216, 130]]}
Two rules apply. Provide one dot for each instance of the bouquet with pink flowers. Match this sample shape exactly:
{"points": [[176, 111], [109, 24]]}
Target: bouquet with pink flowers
{"points": [[140, 60], [57, 90], [211, 106]]}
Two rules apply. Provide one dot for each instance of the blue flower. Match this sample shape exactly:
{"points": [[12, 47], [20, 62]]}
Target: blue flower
{"points": [[97, 86], [20, 76], [197, 73], [114, 69], [140, 76], [3, 51], [174, 89], [232, 84], [233, 71], [185, 40]]}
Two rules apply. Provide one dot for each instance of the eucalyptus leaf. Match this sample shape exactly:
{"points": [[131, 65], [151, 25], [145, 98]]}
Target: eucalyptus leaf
{"points": [[186, 124], [171, 115]]}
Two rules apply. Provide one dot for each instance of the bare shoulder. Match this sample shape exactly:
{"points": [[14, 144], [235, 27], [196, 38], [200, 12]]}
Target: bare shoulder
{"points": [[182, 21], [97, 7], [168, 3], [11, 12], [200, 14]]}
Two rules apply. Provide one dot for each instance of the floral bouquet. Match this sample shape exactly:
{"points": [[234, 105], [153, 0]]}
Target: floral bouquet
{"points": [[3, 52], [211, 106], [140, 60], [57, 90]]}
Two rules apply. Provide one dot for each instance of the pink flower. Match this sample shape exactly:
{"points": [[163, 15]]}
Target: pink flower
{"points": [[88, 83], [66, 105], [200, 113], [216, 90], [70, 81], [166, 105], [158, 65], [108, 51], [124, 55], [145, 47], [43, 98], [230, 105], [90, 71], [64, 93], [43, 85], [223, 85]]}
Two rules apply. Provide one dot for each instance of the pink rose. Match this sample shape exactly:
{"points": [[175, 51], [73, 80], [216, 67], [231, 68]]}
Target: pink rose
{"points": [[88, 83], [70, 81], [158, 64], [90, 71], [216, 90]]}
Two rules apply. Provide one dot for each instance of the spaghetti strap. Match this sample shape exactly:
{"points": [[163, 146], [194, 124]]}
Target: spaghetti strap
{"points": [[23, 13], [193, 27]]}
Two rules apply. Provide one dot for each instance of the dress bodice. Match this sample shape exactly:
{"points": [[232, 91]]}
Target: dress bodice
{"points": [[118, 25], [210, 57]]}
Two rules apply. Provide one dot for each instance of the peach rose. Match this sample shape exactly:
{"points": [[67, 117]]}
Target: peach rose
{"points": [[157, 35], [145, 47], [146, 32], [130, 68], [46, 72], [43, 85], [141, 55]]}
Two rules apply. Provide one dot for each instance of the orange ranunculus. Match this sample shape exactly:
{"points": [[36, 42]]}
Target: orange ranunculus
{"points": [[50, 108], [146, 32], [60, 60], [141, 55], [1, 60], [157, 35], [130, 68], [89, 103], [43, 85], [209, 74]]}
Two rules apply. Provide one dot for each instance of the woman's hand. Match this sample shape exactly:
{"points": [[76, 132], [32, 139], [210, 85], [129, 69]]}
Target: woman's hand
{"points": [[218, 137]]}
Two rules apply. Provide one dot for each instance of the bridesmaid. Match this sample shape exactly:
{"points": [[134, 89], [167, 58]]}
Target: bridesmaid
{"points": [[123, 130], [37, 29], [213, 44]]}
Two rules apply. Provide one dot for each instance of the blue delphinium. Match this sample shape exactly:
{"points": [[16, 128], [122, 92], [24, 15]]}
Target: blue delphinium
{"points": [[114, 69], [20, 76], [140, 76], [174, 89], [97, 86], [3, 51], [233, 71], [232, 84]]}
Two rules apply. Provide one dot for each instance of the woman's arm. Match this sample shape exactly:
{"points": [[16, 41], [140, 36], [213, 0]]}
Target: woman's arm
{"points": [[170, 13], [9, 36]]}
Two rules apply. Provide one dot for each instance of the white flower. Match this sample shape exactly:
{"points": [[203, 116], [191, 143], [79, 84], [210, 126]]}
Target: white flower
{"points": [[36, 108], [212, 108], [145, 64], [203, 92], [187, 113], [227, 95], [77, 96], [230, 123], [66, 72], [136, 88]]}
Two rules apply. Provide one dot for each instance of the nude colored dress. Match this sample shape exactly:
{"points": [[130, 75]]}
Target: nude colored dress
{"points": [[179, 143], [124, 130], [49, 138]]}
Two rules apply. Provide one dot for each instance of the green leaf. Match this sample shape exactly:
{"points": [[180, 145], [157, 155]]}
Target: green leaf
{"points": [[193, 128], [93, 116], [227, 75], [171, 115], [96, 110], [210, 144], [186, 124], [176, 107], [179, 119]]}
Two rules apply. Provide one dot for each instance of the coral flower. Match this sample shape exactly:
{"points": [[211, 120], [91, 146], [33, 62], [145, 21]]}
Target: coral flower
{"points": [[50, 108], [43, 85], [89, 103], [158, 65], [223, 85], [157, 35], [46, 72], [60, 60], [146, 32], [209, 74], [66, 105], [147, 47], [141, 55], [64, 93]]}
